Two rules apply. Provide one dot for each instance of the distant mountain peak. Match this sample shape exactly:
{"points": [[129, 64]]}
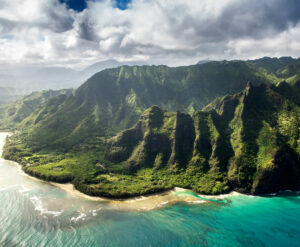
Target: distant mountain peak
{"points": [[204, 61]]}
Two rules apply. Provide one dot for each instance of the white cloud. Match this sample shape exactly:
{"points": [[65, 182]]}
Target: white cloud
{"points": [[46, 14], [284, 43], [170, 31]]}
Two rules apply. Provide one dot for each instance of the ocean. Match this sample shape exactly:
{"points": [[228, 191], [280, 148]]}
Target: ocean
{"points": [[35, 213]]}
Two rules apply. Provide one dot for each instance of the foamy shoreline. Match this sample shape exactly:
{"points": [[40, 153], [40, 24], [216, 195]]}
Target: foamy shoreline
{"points": [[146, 202]]}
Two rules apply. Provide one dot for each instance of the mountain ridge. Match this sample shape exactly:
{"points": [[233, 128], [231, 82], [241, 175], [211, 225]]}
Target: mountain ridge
{"points": [[115, 98], [248, 142], [13, 114]]}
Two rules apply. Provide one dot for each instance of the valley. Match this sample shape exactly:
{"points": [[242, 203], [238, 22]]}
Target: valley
{"points": [[240, 141]]}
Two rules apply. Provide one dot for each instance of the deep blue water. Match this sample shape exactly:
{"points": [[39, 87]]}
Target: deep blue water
{"points": [[33, 213]]}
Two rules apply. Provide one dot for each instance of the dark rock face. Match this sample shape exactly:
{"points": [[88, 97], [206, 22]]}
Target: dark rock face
{"points": [[248, 141], [251, 139], [113, 100], [283, 176], [182, 146]]}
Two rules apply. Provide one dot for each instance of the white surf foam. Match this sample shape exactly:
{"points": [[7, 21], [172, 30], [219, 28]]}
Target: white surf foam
{"points": [[162, 204], [24, 189], [81, 216], [37, 202], [197, 202], [95, 211]]}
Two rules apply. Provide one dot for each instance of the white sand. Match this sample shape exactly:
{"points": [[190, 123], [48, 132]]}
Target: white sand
{"points": [[147, 202], [137, 203]]}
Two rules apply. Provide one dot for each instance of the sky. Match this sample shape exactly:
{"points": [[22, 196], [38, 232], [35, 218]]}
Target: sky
{"points": [[76, 33]]}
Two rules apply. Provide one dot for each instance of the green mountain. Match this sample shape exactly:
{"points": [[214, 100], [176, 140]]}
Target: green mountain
{"points": [[113, 100], [9, 94], [12, 114], [247, 142], [286, 68], [252, 138]]}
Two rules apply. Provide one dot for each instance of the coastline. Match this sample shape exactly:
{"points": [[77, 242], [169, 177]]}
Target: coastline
{"points": [[149, 202], [143, 203]]}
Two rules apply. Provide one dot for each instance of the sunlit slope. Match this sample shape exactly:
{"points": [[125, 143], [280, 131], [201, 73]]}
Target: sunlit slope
{"points": [[114, 99], [12, 114], [248, 142], [251, 138]]}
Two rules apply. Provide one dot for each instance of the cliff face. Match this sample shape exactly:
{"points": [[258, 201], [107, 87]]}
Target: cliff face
{"points": [[12, 114], [247, 142], [114, 99], [250, 140], [159, 139]]}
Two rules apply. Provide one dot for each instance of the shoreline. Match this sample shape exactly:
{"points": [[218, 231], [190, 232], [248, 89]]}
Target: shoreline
{"points": [[138, 203], [149, 202], [143, 202]]}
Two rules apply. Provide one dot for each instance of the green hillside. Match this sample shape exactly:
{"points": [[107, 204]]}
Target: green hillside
{"points": [[8, 94], [277, 70], [247, 142], [113, 100], [12, 114]]}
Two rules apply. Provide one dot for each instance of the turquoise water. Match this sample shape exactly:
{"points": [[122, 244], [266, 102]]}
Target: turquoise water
{"points": [[33, 213]]}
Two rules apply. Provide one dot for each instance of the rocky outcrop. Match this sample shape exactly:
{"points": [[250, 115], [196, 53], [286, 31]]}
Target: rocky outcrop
{"points": [[251, 139]]}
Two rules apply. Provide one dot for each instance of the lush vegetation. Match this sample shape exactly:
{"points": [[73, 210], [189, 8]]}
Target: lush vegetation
{"points": [[13, 114], [113, 100], [248, 142], [9, 94]]}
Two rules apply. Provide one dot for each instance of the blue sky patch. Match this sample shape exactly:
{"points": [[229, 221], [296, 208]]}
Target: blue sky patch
{"points": [[122, 4], [79, 5]]}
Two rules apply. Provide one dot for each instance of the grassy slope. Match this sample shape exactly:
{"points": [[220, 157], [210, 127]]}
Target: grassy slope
{"points": [[114, 99], [12, 114], [8, 94], [248, 142]]}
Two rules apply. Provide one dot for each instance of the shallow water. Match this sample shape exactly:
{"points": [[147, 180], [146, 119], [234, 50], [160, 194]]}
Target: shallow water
{"points": [[33, 213]]}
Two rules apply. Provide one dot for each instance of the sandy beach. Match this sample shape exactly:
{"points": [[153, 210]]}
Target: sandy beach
{"points": [[149, 202], [143, 203]]}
